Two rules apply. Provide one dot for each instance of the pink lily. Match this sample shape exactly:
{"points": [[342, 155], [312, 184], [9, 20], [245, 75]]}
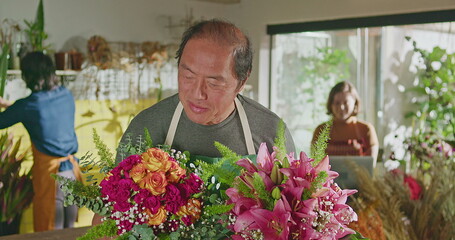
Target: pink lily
{"points": [[247, 164], [242, 204], [264, 159], [274, 225]]}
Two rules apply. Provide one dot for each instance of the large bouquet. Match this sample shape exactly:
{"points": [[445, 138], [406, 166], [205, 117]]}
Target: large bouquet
{"points": [[153, 189], [153, 193], [157, 193], [288, 198]]}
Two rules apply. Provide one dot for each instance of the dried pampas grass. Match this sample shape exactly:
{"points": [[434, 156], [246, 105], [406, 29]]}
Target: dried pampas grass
{"points": [[385, 201]]}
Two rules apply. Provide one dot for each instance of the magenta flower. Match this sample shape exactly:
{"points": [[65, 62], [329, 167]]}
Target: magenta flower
{"points": [[302, 207], [264, 159], [129, 162], [242, 203], [275, 224], [195, 183]]}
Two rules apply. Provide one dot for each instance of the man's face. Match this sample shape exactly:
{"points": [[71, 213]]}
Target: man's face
{"points": [[207, 86]]}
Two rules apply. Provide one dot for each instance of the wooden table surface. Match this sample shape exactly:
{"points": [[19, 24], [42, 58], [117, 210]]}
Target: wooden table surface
{"points": [[64, 234]]}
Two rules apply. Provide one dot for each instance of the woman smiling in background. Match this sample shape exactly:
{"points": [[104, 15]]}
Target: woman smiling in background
{"points": [[349, 135]]}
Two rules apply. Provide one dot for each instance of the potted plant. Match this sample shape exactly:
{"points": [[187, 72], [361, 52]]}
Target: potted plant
{"points": [[35, 30], [16, 189]]}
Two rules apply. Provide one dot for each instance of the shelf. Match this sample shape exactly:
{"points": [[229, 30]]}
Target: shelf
{"points": [[58, 72]]}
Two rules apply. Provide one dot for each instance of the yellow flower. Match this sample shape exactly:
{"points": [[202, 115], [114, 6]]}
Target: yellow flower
{"points": [[192, 208], [175, 172], [158, 218], [155, 182], [138, 172], [156, 159]]}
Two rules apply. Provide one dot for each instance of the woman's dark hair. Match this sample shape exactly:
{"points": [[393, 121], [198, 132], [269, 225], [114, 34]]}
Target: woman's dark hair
{"points": [[343, 87], [226, 33], [38, 72]]}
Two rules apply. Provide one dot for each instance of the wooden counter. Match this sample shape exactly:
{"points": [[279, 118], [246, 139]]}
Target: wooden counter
{"points": [[64, 234]]}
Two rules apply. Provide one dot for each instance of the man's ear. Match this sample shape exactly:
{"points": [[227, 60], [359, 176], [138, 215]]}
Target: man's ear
{"points": [[242, 85]]}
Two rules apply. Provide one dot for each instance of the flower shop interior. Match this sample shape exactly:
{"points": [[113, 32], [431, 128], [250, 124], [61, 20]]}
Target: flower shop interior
{"points": [[399, 54]]}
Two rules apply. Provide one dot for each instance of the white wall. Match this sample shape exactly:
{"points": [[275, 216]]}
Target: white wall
{"points": [[145, 20]]}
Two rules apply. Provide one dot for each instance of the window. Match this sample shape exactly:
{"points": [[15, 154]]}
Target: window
{"points": [[307, 59]]}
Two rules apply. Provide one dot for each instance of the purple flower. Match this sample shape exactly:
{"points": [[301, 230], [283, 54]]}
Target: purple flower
{"points": [[125, 184], [125, 224], [129, 162], [187, 220], [108, 188], [122, 206], [153, 203], [141, 196], [185, 190], [122, 195], [172, 193], [195, 183], [172, 206]]}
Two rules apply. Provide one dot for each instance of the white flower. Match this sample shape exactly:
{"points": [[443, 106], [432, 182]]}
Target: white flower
{"points": [[391, 165]]}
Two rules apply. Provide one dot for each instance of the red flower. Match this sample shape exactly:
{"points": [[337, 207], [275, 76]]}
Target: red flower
{"points": [[413, 186]]}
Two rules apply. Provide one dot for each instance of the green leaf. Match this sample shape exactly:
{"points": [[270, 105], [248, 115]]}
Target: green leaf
{"points": [[3, 68], [319, 147]]}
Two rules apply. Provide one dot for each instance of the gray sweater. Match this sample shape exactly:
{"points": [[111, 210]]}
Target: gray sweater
{"points": [[199, 139]]}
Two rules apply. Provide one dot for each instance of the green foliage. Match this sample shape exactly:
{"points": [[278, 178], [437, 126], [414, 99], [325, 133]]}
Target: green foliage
{"points": [[35, 30], [214, 227], [244, 189], [280, 141], [316, 184], [356, 236], [217, 209], [142, 232], [105, 229], [16, 189], [435, 90], [76, 193], [319, 147], [107, 162], [263, 194], [308, 79], [148, 138], [3, 68], [217, 169]]}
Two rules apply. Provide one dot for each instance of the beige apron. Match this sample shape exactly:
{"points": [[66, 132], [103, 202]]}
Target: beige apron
{"points": [[45, 188], [243, 121]]}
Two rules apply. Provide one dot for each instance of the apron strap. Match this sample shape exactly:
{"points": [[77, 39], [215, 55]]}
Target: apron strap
{"points": [[173, 127], [243, 120], [246, 127]]}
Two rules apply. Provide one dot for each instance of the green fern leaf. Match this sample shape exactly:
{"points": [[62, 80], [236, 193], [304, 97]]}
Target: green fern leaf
{"points": [[319, 147]]}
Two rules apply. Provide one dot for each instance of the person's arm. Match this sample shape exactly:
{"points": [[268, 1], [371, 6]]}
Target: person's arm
{"points": [[4, 103], [374, 144], [14, 113]]}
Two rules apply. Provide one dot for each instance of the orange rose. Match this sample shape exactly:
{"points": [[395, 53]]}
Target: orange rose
{"points": [[175, 172], [156, 159], [155, 182], [138, 172], [192, 208], [158, 218]]}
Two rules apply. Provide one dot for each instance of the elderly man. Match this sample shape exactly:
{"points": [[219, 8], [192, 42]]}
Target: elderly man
{"points": [[214, 62]]}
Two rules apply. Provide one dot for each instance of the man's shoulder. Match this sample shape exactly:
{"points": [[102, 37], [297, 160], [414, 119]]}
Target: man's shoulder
{"points": [[161, 108], [256, 109]]}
